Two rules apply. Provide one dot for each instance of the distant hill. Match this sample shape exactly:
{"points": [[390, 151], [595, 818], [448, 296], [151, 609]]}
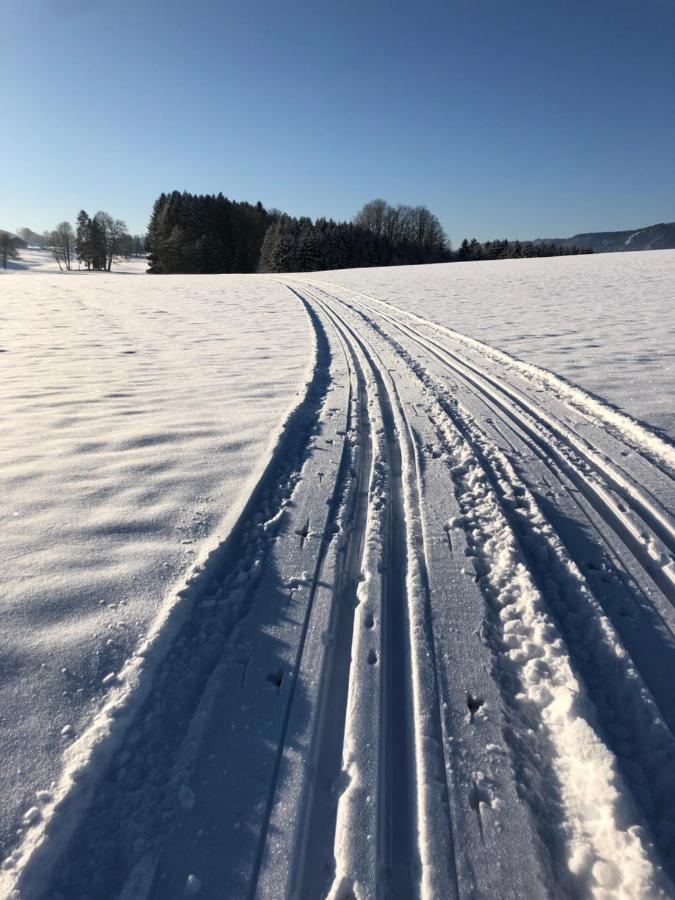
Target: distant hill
{"points": [[654, 237]]}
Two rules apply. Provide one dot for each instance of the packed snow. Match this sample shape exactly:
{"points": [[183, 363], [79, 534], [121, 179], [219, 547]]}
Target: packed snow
{"points": [[351, 584], [603, 321]]}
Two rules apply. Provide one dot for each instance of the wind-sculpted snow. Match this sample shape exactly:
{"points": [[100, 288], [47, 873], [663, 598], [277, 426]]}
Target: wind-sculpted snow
{"points": [[136, 414], [432, 658]]}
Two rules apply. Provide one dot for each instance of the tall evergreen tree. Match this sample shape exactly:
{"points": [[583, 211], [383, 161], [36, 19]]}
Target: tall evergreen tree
{"points": [[83, 239], [98, 249]]}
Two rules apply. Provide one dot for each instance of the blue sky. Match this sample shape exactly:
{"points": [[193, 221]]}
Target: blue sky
{"points": [[519, 118]]}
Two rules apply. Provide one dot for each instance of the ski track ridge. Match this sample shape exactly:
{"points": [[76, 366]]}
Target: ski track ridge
{"points": [[548, 561], [559, 440], [396, 870]]}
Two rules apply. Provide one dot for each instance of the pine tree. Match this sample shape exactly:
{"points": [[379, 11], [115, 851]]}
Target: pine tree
{"points": [[464, 253], [98, 252], [475, 249], [83, 239]]}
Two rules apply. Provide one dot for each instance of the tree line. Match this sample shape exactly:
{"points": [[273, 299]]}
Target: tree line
{"points": [[209, 233], [379, 235], [505, 249]]}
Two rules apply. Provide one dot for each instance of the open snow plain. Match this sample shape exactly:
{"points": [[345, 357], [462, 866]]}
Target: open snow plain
{"points": [[432, 657]]}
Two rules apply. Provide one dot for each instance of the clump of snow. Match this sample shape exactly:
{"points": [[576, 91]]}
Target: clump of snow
{"points": [[193, 885], [31, 816]]}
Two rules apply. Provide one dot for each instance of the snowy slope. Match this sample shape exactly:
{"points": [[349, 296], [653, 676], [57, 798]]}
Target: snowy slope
{"points": [[136, 413], [604, 322], [433, 656], [653, 237]]}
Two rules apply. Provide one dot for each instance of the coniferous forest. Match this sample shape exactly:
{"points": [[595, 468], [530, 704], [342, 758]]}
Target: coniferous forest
{"points": [[208, 233]]}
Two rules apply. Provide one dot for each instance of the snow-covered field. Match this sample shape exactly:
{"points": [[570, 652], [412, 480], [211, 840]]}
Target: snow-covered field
{"points": [[136, 416], [33, 261], [431, 658], [604, 321]]}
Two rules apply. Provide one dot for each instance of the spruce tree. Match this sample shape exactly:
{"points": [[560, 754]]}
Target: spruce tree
{"points": [[83, 239]]}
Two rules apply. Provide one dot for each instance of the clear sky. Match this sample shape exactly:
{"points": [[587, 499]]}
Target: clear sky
{"points": [[518, 118]]}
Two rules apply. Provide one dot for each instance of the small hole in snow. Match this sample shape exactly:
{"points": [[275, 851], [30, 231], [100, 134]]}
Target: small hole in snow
{"points": [[473, 704], [276, 677], [372, 658], [369, 621]]}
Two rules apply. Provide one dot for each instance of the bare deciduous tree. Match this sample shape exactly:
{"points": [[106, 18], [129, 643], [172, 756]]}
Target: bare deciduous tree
{"points": [[403, 224], [114, 233], [372, 216], [62, 245]]}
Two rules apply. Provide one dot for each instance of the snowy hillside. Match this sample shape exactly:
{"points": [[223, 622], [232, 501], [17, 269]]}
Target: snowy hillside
{"points": [[430, 652], [653, 237]]}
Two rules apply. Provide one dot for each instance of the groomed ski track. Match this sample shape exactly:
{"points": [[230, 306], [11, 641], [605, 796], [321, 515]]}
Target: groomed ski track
{"points": [[433, 658]]}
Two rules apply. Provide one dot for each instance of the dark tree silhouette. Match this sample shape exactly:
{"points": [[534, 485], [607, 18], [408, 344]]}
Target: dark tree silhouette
{"points": [[84, 239], [205, 233], [7, 248], [210, 233]]}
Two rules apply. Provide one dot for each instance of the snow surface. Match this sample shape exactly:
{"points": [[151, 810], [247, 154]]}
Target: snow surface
{"points": [[603, 321], [137, 412], [433, 657]]}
